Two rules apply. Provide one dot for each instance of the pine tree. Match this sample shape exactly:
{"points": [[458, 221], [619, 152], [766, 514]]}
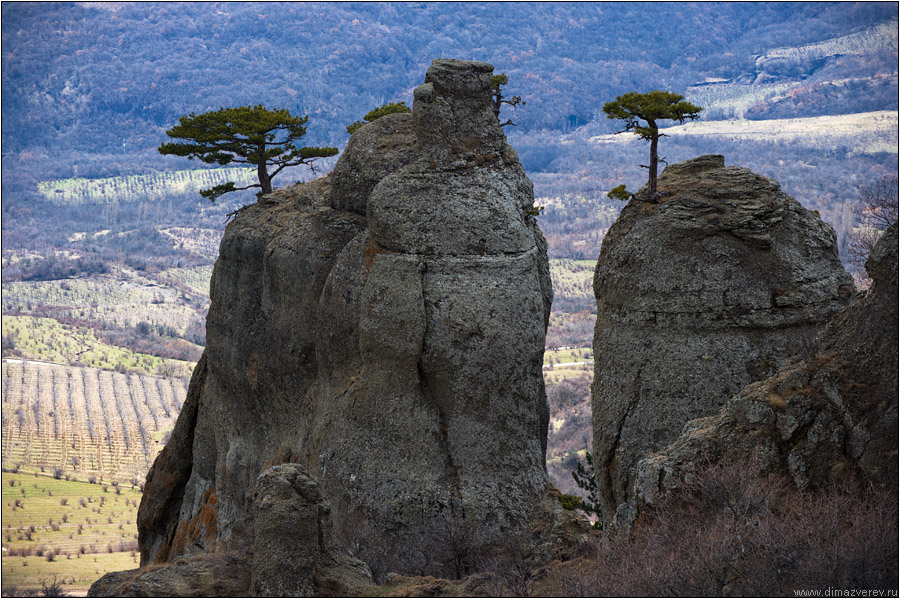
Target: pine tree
{"points": [[251, 135], [633, 108], [498, 100]]}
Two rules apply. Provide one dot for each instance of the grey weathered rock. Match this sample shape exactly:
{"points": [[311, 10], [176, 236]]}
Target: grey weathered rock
{"points": [[260, 361], [823, 417], [445, 412], [207, 575], [166, 481], [395, 358], [698, 296], [376, 150], [295, 553]]}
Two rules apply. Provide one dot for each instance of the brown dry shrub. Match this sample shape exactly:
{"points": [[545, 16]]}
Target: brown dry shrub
{"points": [[731, 532]]}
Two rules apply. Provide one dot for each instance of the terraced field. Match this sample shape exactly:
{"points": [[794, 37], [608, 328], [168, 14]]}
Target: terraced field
{"points": [[134, 188], [85, 422], [48, 340]]}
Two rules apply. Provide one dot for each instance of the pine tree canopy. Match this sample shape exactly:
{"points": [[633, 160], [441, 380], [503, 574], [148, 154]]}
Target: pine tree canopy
{"points": [[657, 105], [651, 107], [251, 135]]}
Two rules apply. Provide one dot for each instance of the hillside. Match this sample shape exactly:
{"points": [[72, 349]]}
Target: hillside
{"points": [[142, 65], [109, 79]]}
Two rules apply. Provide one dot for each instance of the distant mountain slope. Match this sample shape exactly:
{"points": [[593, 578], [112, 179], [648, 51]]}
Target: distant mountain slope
{"points": [[791, 62], [108, 78]]}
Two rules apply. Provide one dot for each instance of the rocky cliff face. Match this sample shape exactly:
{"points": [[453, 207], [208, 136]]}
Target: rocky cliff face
{"points": [[698, 296], [383, 329], [826, 416]]}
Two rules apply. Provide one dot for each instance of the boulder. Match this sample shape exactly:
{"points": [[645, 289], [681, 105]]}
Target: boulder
{"points": [[202, 575], [827, 416], [698, 296], [295, 553]]}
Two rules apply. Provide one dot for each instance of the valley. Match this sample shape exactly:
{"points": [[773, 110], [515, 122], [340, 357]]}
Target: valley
{"points": [[108, 248]]}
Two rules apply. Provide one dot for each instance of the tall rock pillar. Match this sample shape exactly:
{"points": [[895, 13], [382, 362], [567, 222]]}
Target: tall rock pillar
{"points": [[697, 296], [447, 417], [383, 329]]}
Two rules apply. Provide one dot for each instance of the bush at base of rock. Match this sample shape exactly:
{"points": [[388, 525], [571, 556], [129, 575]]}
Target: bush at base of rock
{"points": [[730, 533]]}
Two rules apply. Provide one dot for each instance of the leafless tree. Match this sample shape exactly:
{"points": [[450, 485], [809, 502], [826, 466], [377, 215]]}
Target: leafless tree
{"points": [[875, 210], [459, 544]]}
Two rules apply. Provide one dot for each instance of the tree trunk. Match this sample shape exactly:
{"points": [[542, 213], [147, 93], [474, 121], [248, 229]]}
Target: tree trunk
{"points": [[654, 160], [262, 172]]}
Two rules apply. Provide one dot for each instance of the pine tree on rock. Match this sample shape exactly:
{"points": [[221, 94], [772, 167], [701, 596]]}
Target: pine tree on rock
{"points": [[251, 135], [498, 99], [657, 105]]}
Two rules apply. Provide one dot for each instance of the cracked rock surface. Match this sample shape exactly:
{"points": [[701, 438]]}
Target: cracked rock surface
{"points": [[824, 417], [698, 296], [383, 328]]}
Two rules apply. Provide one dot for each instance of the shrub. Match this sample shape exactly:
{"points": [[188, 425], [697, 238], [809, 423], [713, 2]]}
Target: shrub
{"points": [[377, 113], [570, 502], [52, 589], [747, 535], [584, 478]]}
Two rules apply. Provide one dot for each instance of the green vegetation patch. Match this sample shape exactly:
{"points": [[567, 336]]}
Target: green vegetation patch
{"points": [[107, 301], [568, 357], [136, 188], [75, 531], [47, 340]]}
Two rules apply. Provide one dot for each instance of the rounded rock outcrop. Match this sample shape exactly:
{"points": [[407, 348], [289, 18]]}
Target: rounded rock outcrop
{"points": [[374, 151], [698, 296], [828, 416]]}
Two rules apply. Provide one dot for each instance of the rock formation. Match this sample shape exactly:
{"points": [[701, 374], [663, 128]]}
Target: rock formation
{"points": [[826, 416], [295, 553], [698, 296], [383, 329], [291, 553]]}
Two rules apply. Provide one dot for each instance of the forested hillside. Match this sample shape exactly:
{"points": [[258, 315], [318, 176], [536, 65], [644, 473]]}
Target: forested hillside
{"points": [[108, 78]]}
